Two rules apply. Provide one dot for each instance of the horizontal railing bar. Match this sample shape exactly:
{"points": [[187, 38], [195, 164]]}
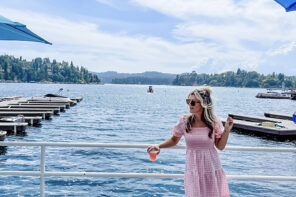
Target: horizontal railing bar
{"points": [[20, 173], [77, 144], [122, 145], [263, 149], [138, 175]]}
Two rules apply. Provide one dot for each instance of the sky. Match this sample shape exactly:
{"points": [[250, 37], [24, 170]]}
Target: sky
{"points": [[170, 36]]}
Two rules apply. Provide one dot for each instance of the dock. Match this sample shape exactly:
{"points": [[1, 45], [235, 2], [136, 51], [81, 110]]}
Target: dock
{"points": [[278, 115], [27, 105], [54, 111], [273, 96], [269, 127], [33, 120], [44, 114], [13, 126], [17, 113]]}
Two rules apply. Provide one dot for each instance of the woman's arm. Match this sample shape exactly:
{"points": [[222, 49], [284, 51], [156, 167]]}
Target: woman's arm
{"points": [[172, 141], [221, 142]]}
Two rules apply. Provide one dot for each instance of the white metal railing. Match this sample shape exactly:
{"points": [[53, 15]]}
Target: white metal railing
{"points": [[42, 173]]}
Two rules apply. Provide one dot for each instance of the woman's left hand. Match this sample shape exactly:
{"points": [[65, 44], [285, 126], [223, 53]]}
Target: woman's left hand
{"points": [[228, 124]]}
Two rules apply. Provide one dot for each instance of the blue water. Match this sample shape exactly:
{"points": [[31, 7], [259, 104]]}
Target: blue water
{"points": [[127, 114]]}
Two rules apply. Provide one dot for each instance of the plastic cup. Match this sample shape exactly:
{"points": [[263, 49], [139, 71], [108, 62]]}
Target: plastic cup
{"points": [[153, 155]]}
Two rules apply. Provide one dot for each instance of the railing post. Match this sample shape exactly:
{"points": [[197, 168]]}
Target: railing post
{"points": [[42, 170]]}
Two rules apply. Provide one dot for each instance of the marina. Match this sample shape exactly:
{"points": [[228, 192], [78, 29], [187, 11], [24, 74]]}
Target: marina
{"points": [[99, 146], [140, 67], [16, 115]]}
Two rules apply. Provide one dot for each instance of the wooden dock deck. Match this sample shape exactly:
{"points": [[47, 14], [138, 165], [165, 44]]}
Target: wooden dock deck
{"points": [[263, 126], [45, 103], [33, 120], [278, 115], [55, 111], [27, 105], [45, 115], [32, 110], [13, 126], [273, 96], [253, 118]]}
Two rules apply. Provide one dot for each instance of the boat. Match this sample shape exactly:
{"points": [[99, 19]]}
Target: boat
{"points": [[150, 90]]}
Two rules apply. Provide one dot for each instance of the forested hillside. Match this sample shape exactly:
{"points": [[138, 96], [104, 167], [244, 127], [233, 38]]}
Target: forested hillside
{"points": [[43, 70], [240, 78]]}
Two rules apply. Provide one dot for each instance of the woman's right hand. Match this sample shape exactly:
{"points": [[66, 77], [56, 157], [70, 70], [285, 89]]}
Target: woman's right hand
{"points": [[153, 148]]}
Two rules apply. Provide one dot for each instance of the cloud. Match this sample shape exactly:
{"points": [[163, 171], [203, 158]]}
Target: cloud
{"points": [[108, 3], [247, 30], [87, 45], [210, 36], [283, 49], [191, 8]]}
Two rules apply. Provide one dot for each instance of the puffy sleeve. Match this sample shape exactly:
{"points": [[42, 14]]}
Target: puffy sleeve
{"points": [[218, 127], [180, 128]]}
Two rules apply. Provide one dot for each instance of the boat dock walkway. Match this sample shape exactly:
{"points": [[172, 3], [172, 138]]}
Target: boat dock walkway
{"points": [[17, 113], [278, 115], [13, 126], [264, 126], [28, 105]]}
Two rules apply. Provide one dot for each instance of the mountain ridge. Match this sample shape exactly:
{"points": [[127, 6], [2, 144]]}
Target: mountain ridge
{"points": [[108, 76]]}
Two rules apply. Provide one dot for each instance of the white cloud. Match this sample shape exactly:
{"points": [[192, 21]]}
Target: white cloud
{"points": [[191, 8], [106, 2], [213, 36], [283, 49], [247, 30]]}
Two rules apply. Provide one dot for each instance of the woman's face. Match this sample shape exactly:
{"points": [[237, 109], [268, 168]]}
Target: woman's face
{"points": [[194, 104]]}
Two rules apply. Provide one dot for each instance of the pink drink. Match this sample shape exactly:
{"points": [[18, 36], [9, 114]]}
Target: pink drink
{"points": [[153, 155]]}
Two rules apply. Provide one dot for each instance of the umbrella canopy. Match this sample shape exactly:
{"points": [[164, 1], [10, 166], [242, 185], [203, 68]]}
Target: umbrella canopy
{"points": [[289, 5], [10, 30]]}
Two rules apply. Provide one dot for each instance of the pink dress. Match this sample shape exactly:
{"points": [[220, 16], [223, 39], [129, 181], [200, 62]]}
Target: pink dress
{"points": [[204, 176]]}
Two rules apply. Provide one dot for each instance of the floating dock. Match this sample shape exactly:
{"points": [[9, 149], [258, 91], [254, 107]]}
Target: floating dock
{"points": [[33, 106], [17, 113], [44, 114], [273, 96], [278, 95], [13, 126], [275, 128], [33, 121], [278, 115], [54, 111]]}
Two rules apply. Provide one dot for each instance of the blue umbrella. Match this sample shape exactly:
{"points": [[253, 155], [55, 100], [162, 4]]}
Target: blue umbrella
{"points": [[10, 30], [289, 5]]}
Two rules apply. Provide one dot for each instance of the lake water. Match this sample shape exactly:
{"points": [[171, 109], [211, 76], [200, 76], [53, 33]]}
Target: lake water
{"points": [[128, 114]]}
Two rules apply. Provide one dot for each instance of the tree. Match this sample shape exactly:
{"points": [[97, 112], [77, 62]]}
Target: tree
{"points": [[39, 69]]}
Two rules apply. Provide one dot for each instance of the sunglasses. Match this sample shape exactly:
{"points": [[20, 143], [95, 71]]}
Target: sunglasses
{"points": [[191, 102]]}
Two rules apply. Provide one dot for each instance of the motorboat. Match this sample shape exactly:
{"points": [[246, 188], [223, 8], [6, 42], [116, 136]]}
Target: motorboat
{"points": [[150, 90]]}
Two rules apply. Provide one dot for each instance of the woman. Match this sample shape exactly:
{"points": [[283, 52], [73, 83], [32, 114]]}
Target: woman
{"points": [[203, 131]]}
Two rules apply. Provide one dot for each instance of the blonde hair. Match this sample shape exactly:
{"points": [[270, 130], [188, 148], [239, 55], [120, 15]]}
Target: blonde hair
{"points": [[203, 94]]}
